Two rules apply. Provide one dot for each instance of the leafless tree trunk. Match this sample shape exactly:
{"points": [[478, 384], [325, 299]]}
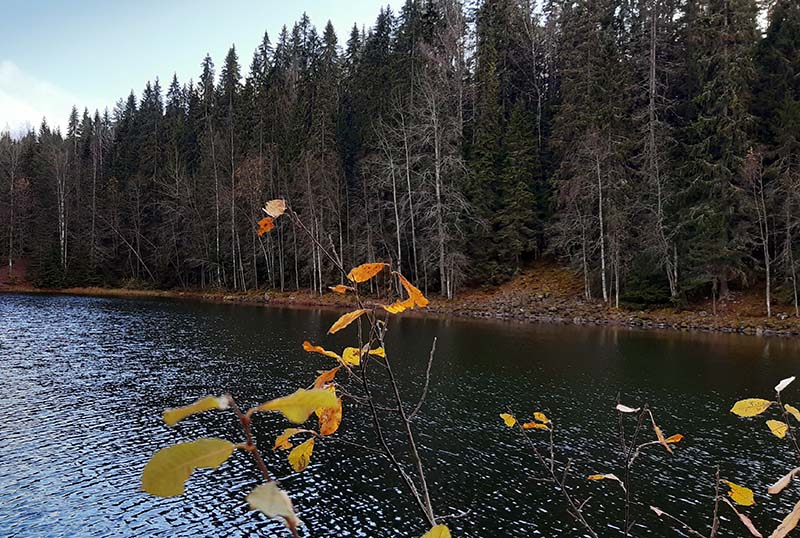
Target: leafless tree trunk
{"points": [[601, 224], [755, 175]]}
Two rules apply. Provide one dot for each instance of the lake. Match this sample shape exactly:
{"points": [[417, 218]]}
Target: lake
{"points": [[84, 382]]}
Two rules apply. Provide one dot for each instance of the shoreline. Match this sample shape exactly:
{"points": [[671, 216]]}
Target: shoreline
{"points": [[476, 304]]}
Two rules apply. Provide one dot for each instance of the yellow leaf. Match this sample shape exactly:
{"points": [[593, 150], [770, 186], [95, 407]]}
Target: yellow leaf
{"points": [[607, 476], [792, 410], [784, 482], [677, 438], [352, 356], [282, 442], [311, 348], [535, 426], [541, 417], [330, 418], [340, 289], [173, 416], [740, 494], [300, 404], [300, 456], [750, 407], [661, 438], [777, 428], [325, 378], [399, 306], [788, 524], [169, 468], [378, 352], [275, 208], [345, 320], [439, 531], [365, 271], [318, 411], [413, 292], [508, 419], [273, 501]]}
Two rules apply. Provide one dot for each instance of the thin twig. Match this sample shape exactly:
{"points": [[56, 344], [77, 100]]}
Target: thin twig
{"points": [[427, 381]]}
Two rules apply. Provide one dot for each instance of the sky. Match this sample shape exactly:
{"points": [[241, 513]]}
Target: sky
{"points": [[89, 53]]}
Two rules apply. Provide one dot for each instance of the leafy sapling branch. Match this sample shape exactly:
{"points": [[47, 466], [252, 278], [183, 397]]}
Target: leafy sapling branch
{"points": [[169, 468]]}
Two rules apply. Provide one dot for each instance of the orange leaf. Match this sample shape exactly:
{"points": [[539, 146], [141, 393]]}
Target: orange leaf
{"points": [[534, 426], [677, 438], [282, 442], [330, 419], [413, 292], [340, 289], [325, 378], [265, 225], [399, 306], [311, 348], [365, 271], [346, 320]]}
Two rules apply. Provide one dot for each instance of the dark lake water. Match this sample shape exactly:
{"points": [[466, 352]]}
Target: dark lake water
{"points": [[84, 381]]}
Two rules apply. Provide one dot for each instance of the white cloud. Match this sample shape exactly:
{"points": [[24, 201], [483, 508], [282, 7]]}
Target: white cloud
{"points": [[25, 100]]}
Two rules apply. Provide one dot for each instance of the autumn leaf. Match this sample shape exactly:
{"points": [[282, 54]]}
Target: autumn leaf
{"points": [[273, 501], [169, 468], [298, 406], [325, 378], [275, 208], [625, 409], [413, 292], [777, 428], [340, 288], [378, 352], [745, 520], [792, 410], [750, 407], [740, 494], [784, 482], [534, 426], [677, 438], [783, 384], [439, 531], [399, 306], [346, 320], [282, 442], [330, 418], [661, 438], [351, 356], [300, 456], [607, 476], [174, 415], [541, 417], [265, 225], [508, 419], [311, 348], [365, 271], [788, 524]]}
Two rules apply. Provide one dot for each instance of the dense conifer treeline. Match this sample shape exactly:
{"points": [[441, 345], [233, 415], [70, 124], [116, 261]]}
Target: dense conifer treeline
{"points": [[652, 144]]}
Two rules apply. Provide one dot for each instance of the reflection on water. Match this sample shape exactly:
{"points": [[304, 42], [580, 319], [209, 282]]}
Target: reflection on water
{"points": [[84, 381]]}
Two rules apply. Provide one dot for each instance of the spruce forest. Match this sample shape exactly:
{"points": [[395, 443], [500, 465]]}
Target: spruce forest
{"points": [[651, 145]]}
